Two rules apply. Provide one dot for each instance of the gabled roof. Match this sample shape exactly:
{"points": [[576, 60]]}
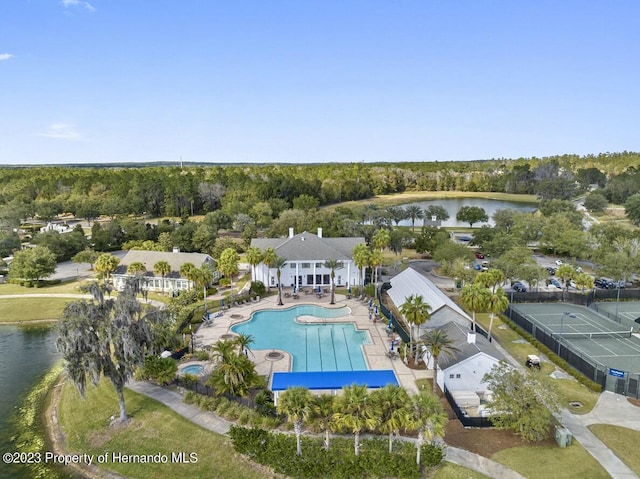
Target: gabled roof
{"points": [[308, 246], [175, 260], [458, 333], [411, 282]]}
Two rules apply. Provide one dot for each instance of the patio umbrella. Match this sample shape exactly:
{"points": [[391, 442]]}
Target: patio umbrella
{"points": [[393, 342], [294, 289], [375, 309], [349, 290], [319, 289], [222, 302], [370, 303]]}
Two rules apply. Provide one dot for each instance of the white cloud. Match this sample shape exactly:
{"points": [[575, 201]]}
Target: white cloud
{"points": [[77, 3], [5, 56], [62, 131]]}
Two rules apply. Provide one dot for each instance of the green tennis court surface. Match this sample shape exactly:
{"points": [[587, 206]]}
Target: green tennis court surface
{"points": [[587, 333], [627, 312]]}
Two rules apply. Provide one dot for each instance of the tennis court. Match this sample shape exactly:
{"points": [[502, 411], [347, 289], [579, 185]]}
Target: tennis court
{"points": [[628, 312], [568, 329]]}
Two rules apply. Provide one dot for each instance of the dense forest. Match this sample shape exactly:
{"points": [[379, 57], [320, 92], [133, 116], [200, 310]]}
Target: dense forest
{"points": [[271, 198]]}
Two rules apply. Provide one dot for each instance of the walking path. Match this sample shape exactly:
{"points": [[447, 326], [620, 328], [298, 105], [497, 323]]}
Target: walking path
{"points": [[210, 421]]}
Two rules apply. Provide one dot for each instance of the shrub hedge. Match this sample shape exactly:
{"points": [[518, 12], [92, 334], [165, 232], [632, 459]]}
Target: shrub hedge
{"points": [[278, 451]]}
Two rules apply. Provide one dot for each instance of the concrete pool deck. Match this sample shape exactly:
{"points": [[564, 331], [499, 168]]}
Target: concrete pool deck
{"points": [[375, 353]]}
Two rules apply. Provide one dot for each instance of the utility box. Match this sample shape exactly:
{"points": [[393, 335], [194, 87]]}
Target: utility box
{"points": [[563, 436]]}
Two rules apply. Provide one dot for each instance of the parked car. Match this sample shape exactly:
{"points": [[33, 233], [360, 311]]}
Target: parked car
{"points": [[551, 270], [533, 361], [477, 267], [555, 282], [559, 262], [519, 287], [605, 283], [479, 255]]}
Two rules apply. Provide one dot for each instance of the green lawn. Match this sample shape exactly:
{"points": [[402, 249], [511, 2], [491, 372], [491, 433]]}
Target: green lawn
{"points": [[31, 309], [544, 462], [570, 390], [622, 441], [152, 429], [449, 470], [70, 287]]}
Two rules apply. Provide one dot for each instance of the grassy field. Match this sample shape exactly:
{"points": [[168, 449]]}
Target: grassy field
{"points": [[71, 287], [570, 390], [152, 429], [544, 462], [31, 309], [413, 196], [622, 441], [449, 470]]}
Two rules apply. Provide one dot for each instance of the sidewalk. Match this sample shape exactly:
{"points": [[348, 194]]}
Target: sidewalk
{"points": [[210, 421]]}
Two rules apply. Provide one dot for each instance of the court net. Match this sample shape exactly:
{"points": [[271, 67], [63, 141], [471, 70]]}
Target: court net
{"points": [[597, 335]]}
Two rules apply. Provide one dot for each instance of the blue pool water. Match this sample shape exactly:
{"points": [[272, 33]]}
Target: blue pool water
{"points": [[313, 347], [192, 369]]}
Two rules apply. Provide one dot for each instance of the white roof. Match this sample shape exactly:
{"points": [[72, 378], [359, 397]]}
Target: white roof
{"points": [[411, 282]]}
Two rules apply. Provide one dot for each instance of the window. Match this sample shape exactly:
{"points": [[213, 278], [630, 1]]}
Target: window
{"points": [[319, 265], [458, 376], [292, 265], [306, 265], [450, 376]]}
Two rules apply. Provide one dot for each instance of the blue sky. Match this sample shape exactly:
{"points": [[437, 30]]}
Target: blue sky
{"points": [[316, 81]]}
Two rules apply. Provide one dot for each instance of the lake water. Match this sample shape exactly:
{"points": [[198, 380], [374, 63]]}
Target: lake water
{"points": [[26, 354], [453, 205]]}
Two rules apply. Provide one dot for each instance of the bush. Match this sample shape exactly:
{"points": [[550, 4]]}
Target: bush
{"points": [[258, 288], [161, 370], [225, 282], [278, 451], [202, 355]]}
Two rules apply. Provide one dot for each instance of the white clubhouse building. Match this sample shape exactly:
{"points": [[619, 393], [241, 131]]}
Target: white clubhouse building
{"points": [[306, 254]]}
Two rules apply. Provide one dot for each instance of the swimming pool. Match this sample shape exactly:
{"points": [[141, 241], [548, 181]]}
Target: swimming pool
{"points": [[313, 347], [195, 369]]}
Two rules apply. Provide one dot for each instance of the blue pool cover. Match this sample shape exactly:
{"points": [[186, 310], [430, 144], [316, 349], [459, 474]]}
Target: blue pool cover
{"points": [[333, 379]]}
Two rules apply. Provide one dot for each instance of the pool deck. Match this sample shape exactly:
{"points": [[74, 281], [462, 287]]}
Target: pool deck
{"points": [[375, 353]]}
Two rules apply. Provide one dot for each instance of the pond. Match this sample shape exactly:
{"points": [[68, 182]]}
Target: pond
{"points": [[453, 205], [26, 354]]}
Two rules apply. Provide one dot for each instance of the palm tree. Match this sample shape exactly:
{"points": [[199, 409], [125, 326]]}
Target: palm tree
{"points": [[228, 265], [414, 212], [296, 403], [322, 409], [188, 270], [416, 312], [496, 304], [269, 259], [106, 264], [355, 411], [243, 341], [236, 375], [427, 417], [392, 402], [278, 264], [136, 268], [438, 343], [361, 259], [381, 239], [222, 350], [375, 260], [162, 268], [474, 297], [333, 265], [490, 279], [254, 257]]}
